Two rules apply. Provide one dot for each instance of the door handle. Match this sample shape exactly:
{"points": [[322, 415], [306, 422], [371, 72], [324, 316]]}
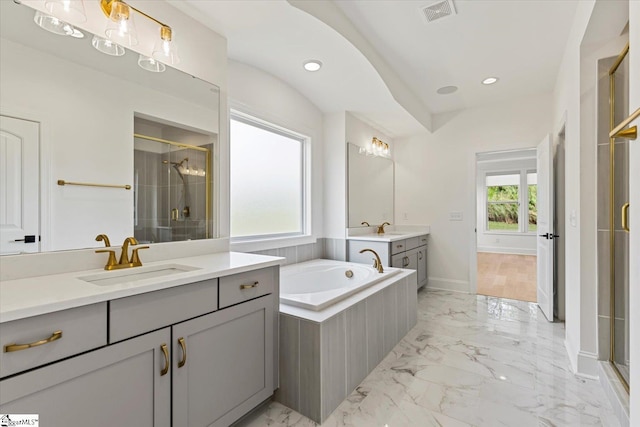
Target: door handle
{"points": [[165, 352], [27, 239], [625, 217], [183, 346], [546, 235]]}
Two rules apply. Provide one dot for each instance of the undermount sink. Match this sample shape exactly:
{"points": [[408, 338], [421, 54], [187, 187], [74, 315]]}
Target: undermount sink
{"points": [[136, 273]]}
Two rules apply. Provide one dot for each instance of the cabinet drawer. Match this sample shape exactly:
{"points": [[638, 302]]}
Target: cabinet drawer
{"points": [[142, 313], [83, 328], [245, 286], [423, 240], [413, 243], [398, 246]]}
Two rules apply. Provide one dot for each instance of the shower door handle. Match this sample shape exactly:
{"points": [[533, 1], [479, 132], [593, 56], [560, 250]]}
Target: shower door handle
{"points": [[625, 217]]}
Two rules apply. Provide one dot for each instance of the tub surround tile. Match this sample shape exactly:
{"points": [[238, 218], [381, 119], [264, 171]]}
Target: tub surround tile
{"points": [[289, 361], [333, 367], [356, 338], [375, 330], [449, 368], [310, 391]]}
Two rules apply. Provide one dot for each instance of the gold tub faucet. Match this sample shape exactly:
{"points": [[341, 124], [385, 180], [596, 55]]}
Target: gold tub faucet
{"points": [[377, 264]]}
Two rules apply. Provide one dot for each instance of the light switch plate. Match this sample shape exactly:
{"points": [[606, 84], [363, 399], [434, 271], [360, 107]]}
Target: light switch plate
{"points": [[455, 216]]}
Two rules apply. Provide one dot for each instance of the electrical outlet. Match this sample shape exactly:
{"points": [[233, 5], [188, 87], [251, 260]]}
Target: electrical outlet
{"points": [[405, 216]]}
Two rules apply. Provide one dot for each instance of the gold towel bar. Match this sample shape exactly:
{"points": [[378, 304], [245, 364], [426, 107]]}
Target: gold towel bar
{"points": [[87, 184], [618, 132]]}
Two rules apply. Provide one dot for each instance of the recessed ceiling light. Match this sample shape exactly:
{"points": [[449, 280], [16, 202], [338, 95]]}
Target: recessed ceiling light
{"points": [[312, 65], [445, 90], [489, 80]]}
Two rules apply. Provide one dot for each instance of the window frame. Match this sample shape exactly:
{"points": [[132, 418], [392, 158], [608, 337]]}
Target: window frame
{"points": [[522, 202], [305, 184]]}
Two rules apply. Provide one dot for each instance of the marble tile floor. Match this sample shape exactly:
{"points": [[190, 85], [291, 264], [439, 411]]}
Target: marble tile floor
{"points": [[470, 361]]}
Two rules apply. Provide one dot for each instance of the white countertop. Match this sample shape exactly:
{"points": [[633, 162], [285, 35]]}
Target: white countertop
{"points": [[393, 233], [34, 296]]}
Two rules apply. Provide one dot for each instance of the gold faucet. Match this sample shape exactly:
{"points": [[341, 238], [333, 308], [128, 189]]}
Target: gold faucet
{"points": [[377, 264], [381, 227], [365, 223], [124, 255]]}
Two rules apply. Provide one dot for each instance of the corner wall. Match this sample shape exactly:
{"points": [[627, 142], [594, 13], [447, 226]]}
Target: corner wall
{"points": [[435, 175]]}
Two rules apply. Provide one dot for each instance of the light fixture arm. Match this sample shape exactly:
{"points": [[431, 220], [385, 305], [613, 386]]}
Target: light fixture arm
{"points": [[165, 30]]}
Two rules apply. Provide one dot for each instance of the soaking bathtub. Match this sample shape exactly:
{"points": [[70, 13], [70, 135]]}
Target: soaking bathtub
{"points": [[320, 283]]}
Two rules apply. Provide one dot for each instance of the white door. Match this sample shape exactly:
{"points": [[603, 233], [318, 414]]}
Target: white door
{"points": [[19, 186], [545, 227]]}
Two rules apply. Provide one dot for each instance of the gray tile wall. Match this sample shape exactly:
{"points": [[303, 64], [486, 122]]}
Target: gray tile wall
{"points": [[296, 254], [326, 361]]}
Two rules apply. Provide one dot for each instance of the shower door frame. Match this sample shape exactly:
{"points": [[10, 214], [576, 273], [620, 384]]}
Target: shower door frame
{"points": [[612, 234]]}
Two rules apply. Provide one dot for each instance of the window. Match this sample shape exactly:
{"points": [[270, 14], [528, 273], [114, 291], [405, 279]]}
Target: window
{"points": [[503, 202], [508, 208], [267, 180]]}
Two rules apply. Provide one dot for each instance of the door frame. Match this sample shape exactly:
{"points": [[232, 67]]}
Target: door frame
{"points": [[44, 167]]}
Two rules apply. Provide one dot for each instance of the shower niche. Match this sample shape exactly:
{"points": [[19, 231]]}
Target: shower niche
{"points": [[172, 182]]}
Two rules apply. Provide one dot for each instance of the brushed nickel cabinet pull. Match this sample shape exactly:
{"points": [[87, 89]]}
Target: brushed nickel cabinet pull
{"points": [[165, 351], [252, 285], [625, 217], [17, 347], [183, 346]]}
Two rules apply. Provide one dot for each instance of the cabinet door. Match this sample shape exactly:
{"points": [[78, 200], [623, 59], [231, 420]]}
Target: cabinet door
{"points": [[422, 266], [412, 256], [122, 382], [399, 260], [228, 368]]}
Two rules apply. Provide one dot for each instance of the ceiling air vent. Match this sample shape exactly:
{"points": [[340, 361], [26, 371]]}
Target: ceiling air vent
{"points": [[439, 10]]}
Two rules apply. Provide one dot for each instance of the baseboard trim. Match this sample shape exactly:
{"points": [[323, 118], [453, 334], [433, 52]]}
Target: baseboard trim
{"points": [[448, 284], [572, 360], [588, 365]]}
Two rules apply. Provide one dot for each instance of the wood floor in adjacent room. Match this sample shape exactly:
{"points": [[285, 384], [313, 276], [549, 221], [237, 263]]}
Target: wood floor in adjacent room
{"points": [[507, 276]]}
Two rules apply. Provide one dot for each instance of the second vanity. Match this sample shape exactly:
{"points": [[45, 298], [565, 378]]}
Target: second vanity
{"points": [[400, 247], [194, 346]]}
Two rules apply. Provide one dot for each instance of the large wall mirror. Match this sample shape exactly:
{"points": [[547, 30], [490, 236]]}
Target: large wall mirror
{"points": [[370, 187], [145, 142]]}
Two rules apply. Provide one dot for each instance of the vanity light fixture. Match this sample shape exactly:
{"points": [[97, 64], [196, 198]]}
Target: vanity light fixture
{"points": [[490, 80], [121, 30], [376, 148], [151, 64], [52, 24], [67, 10], [312, 65], [107, 46]]}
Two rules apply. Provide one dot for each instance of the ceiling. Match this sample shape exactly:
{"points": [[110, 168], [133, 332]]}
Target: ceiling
{"points": [[519, 41]]}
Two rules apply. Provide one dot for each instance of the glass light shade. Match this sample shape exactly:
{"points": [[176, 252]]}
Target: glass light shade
{"points": [[52, 24], [166, 51], [121, 29], [107, 46], [151, 64], [69, 10]]}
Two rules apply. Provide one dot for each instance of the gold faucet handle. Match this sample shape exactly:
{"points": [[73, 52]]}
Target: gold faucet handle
{"points": [[112, 258], [135, 259]]}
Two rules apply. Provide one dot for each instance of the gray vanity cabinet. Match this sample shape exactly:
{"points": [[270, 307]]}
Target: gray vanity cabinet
{"points": [[120, 384], [408, 253], [211, 358], [227, 370]]}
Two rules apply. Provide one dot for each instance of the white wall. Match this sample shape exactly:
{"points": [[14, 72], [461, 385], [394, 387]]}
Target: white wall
{"points": [[435, 175], [335, 176], [497, 241], [634, 191], [262, 95]]}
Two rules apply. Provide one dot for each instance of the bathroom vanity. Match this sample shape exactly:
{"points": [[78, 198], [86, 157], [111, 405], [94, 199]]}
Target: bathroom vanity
{"points": [[197, 346], [402, 249]]}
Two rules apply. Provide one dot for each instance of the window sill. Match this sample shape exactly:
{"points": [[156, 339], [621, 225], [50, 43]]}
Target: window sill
{"points": [[270, 243]]}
